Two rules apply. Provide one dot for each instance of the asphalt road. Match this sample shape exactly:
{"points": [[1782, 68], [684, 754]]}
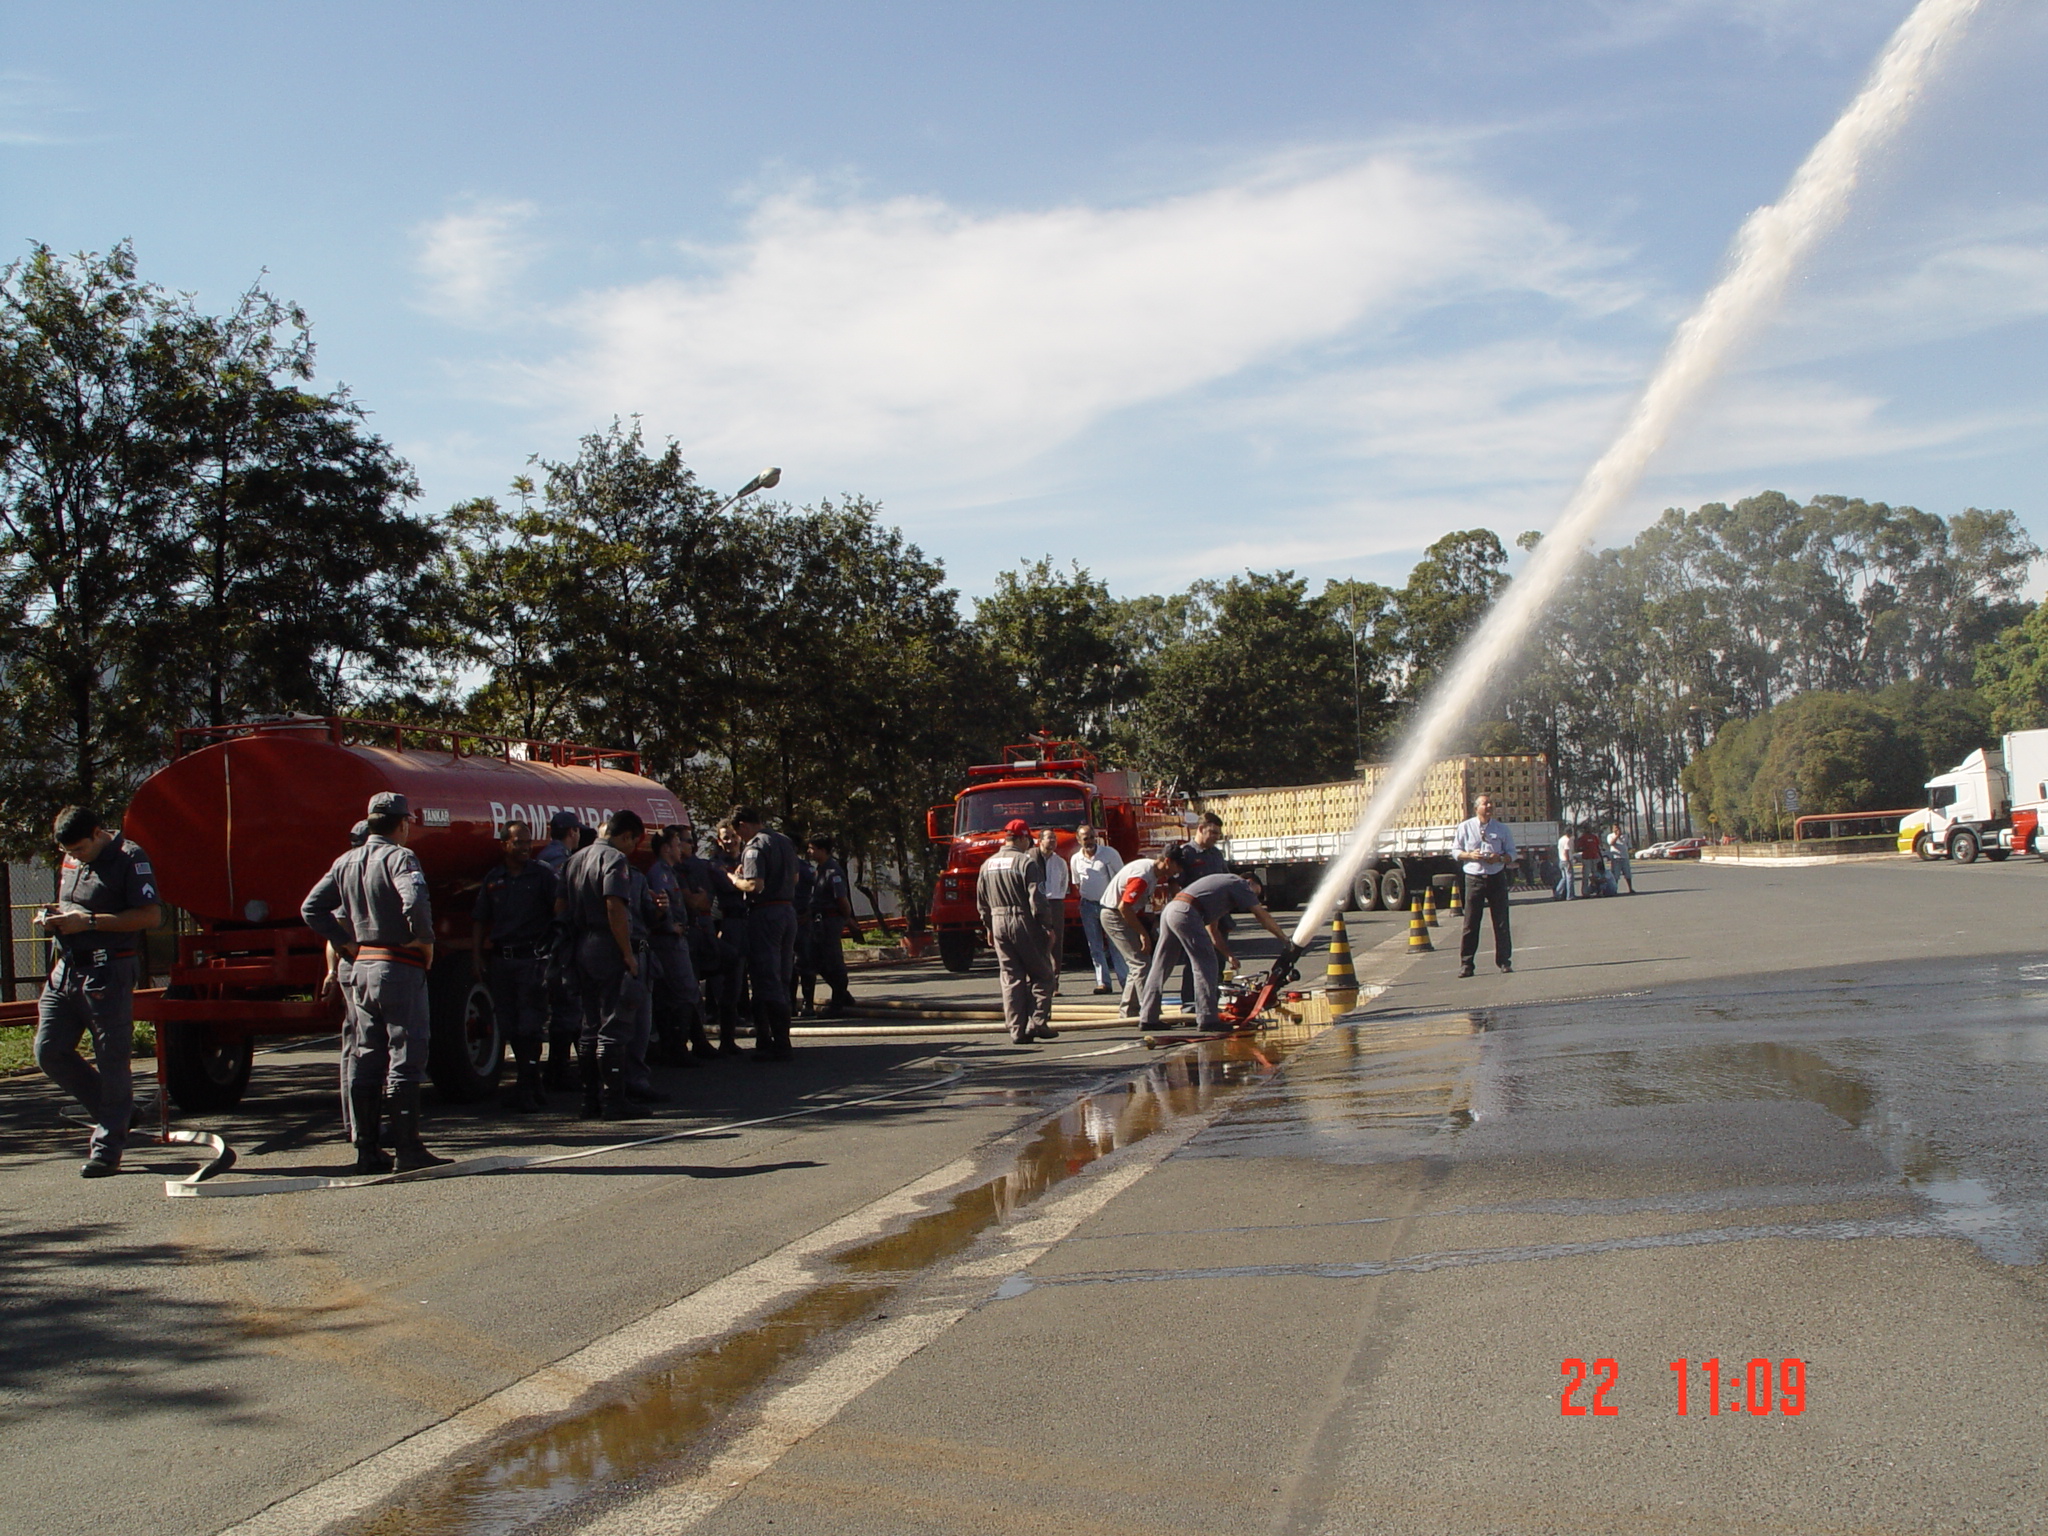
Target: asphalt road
{"points": [[1326, 1283]]}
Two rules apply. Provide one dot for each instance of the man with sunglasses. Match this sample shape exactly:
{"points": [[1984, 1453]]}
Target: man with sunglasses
{"points": [[106, 895]]}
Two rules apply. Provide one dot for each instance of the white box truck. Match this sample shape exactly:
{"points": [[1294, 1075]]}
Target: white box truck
{"points": [[1990, 804]]}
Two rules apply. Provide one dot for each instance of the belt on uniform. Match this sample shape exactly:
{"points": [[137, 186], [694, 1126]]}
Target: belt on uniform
{"points": [[539, 951], [405, 955], [770, 903]]}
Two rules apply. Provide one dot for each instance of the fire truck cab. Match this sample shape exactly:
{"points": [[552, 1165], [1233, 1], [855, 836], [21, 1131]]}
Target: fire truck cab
{"points": [[1044, 783]]}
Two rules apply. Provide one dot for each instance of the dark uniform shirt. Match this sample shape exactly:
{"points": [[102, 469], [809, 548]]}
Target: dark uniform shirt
{"points": [[806, 887], [375, 894], [828, 892], [1214, 895], [551, 856], [591, 875], [769, 858], [701, 877], [1008, 881], [639, 907], [517, 911], [732, 901], [119, 880], [1196, 862]]}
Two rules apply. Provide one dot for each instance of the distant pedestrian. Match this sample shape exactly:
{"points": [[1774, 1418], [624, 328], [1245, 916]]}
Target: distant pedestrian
{"points": [[106, 895], [1618, 865], [1188, 926], [1093, 867], [1567, 850], [1485, 848], [1008, 892], [1127, 917]]}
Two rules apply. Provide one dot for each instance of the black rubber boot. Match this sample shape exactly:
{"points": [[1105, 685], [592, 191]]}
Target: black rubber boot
{"points": [[563, 1069], [728, 1038], [614, 1101], [366, 1108], [701, 1048], [526, 1095], [587, 1069], [405, 1131]]}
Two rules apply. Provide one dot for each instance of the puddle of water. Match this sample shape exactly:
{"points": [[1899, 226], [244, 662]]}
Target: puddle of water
{"points": [[656, 1418]]}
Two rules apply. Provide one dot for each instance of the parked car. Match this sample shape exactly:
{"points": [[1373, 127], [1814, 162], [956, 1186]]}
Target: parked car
{"points": [[1685, 848], [1654, 851]]}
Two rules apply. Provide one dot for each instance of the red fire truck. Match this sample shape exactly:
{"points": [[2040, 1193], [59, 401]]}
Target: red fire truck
{"points": [[1046, 783]]}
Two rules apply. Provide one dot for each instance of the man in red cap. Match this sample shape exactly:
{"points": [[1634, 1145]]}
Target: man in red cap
{"points": [[1007, 892]]}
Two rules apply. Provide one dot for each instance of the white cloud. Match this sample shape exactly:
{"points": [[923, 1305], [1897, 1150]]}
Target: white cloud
{"points": [[469, 258], [940, 345]]}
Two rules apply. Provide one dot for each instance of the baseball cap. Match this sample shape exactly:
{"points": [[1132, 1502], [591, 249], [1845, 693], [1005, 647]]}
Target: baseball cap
{"points": [[357, 834], [1017, 827], [389, 803], [561, 822]]}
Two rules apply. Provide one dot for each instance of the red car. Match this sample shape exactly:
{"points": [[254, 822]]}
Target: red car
{"points": [[1686, 848]]}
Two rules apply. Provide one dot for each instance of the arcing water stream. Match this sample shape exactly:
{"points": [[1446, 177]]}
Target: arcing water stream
{"points": [[1771, 243]]}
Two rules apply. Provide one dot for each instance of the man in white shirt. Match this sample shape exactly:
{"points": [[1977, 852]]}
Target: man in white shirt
{"points": [[1486, 848], [1052, 911], [1093, 868], [1567, 850]]}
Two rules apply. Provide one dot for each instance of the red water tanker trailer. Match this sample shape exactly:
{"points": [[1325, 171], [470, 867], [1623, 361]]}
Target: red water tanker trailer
{"points": [[246, 819]]}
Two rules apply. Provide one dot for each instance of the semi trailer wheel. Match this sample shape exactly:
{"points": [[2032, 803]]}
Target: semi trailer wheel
{"points": [[1394, 889], [466, 1048], [206, 1069], [956, 950], [1962, 846], [1365, 890]]}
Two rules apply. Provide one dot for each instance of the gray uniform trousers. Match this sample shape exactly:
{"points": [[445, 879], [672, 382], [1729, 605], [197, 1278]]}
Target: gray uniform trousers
{"points": [[391, 1008], [1182, 933], [616, 1004], [771, 969], [96, 998], [1124, 934], [519, 994], [351, 1040], [1024, 960], [678, 999]]}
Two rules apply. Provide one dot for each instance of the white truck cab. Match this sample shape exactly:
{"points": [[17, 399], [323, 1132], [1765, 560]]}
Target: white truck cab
{"points": [[1990, 803]]}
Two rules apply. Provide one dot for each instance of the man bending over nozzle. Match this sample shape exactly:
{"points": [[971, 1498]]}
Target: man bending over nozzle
{"points": [[1188, 926], [372, 907]]}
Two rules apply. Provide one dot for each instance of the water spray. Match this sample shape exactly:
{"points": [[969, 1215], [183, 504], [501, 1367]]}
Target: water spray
{"points": [[1771, 243]]}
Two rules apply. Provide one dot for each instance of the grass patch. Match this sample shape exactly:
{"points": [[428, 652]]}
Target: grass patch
{"points": [[18, 1054]]}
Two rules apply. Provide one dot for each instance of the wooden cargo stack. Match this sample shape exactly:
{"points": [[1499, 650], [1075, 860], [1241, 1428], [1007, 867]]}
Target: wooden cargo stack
{"points": [[1520, 787]]}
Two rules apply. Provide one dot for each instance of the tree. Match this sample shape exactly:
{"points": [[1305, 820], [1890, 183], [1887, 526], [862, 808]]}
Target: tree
{"points": [[1054, 639], [1833, 752], [2012, 675], [1447, 594]]}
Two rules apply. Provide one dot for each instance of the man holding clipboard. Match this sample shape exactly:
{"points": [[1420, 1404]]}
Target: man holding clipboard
{"points": [[1485, 847]]}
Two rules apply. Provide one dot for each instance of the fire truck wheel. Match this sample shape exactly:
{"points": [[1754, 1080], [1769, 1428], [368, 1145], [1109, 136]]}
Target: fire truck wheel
{"points": [[1962, 846], [204, 1072], [466, 1049], [956, 950], [1923, 848], [1365, 891], [1394, 889]]}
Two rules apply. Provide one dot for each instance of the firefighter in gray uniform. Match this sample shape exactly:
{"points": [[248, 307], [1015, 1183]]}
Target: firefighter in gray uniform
{"points": [[514, 938], [597, 901], [106, 895], [1008, 892], [1188, 927], [678, 999], [565, 834], [831, 909], [713, 956], [372, 907], [336, 988], [767, 876]]}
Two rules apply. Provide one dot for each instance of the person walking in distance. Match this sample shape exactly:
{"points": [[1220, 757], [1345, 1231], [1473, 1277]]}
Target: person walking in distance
{"points": [[599, 902], [1009, 891], [1567, 850], [1052, 905], [1485, 848], [1127, 917], [372, 907], [1618, 867], [513, 936], [767, 877], [106, 895], [1093, 867], [1187, 927]]}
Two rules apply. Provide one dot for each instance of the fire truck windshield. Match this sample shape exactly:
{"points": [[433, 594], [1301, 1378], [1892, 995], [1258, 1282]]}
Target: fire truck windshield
{"points": [[1043, 805]]}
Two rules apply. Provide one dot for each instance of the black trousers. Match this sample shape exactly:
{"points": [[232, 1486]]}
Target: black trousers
{"points": [[1486, 891]]}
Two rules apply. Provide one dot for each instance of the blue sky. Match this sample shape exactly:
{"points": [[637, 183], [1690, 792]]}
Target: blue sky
{"points": [[1170, 290]]}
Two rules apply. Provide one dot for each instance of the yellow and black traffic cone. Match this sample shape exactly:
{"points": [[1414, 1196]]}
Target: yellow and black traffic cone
{"points": [[1338, 975], [1429, 903], [1418, 928], [1457, 896]]}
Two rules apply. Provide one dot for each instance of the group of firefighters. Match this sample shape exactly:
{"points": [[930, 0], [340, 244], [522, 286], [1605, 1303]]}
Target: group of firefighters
{"points": [[612, 969]]}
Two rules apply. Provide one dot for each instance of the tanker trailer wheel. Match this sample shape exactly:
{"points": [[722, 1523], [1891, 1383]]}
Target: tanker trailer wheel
{"points": [[1365, 891], [1962, 847], [465, 1049], [956, 950], [1394, 889], [205, 1070]]}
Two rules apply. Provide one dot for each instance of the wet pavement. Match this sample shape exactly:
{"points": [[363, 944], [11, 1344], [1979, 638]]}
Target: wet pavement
{"points": [[1329, 1280]]}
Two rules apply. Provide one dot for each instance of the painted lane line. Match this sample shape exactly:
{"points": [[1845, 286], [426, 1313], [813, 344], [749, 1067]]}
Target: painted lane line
{"points": [[799, 1411]]}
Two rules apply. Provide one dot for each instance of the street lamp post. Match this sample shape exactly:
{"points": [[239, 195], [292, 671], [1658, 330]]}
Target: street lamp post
{"points": [[768, 479]]}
